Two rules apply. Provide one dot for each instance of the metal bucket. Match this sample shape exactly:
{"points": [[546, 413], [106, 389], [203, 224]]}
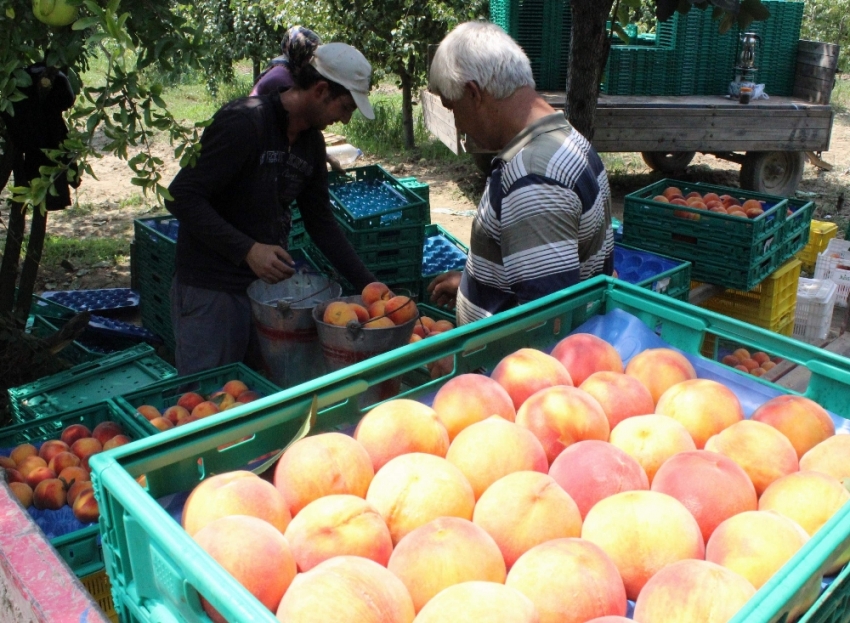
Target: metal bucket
{"points": [[343, 346], [283, 317]]}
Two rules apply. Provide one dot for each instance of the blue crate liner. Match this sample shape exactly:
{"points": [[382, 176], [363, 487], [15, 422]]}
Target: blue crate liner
{"points": [[636, 266], [439, 255], [104, 300], [368, 197], [167, 227], [110, 326]]}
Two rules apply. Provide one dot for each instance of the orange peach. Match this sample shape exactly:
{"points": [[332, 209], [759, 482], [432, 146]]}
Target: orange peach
{"points": [[190, 400], [590, 471], [560, 416], [651, 440], [671, 191], [148, 411], [118, 440], [188, 419], [375, 291], [86, 508], [525, 509], [443, 326], [234, 387], [414, 338], [76, 489], [761, 450], [7, 463], [803, 421], [642, 532], [659, 369], [62, 460], [711, 486], [527, 371], [248, 396], [362, 589], [679, 201], [51, 448], [831, 456], [338, 525], [204, 409], [610, 619], [338, 313], [492, 448], [160, 423], [106, 430], [398, 427], [470, 398], [23, 492], [569, 581], [254, 552], [474, 602], [36, 476], [620, 395], [19, 453], [174, 414], [234, 493], [710, 197], [74, 474], [400, 309], [48, 494], [412, 489], [85, 448], [74, 432], [702, 406], [442, 553], [379, 323], [222, 400], [13, 475], [319, 465], [378, 309], [661, 199], [751, 203], [361, 312], [693, 590], [583, 354], [29, 463]]}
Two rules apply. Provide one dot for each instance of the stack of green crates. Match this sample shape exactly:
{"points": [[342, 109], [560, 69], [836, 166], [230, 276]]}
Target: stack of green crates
{"points": [[155, 263]]}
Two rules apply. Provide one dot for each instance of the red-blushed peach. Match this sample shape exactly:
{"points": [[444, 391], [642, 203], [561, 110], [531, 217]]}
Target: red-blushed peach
{"points": [[338, 313], [381, 322], [831, 456], [474, 602], [49, 494], [703, 406], [248, 396], [803, 421], [22, 451], [413, 489], [442, 553], [74, 432], [205, 409], [441, 326], [161, 424], [7, 463], [810, 499], [620, 395], [360, 311], [569, 581], [398, 427], [106, 430], [148, 411], [174, 414], [650, 440], [525, 509], [85, 448], [659, 369], [610, 619], [400, 309], [323, 464], [29, 463], [642, 532], [186, 420], [118, 440], [527, 371], [62, 460], [470, 398], [73, 474], [377, 310], [693, 591], [583, 354], [234, 387], [254, 552], [76, 489], [338, 525], [375, 291], [761, 450], [39, 474], [590, 471], [222, 400], [86, 508], [560, 416], [492, 448], [234, 493], [23, 492], [190, 400], [51, 448], [13, 475], [711, 486]]}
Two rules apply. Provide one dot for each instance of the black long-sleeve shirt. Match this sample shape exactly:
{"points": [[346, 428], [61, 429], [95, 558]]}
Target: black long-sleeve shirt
{"points": [[239, 193]]}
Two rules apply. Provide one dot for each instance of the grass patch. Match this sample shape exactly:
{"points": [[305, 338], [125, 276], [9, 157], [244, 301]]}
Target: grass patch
{"points": [[83, 252], [840, 99]]}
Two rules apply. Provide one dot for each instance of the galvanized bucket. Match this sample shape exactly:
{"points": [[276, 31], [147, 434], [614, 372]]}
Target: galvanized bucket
{"points": [[283, 317]]}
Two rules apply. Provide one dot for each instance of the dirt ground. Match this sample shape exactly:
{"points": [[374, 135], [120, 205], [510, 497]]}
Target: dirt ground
{"points": [[112, 203]]}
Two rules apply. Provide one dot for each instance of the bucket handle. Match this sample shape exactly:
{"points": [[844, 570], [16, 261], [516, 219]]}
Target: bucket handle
{"points": [[284, 307]]}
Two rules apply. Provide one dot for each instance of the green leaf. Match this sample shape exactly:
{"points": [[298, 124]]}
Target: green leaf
{"points": [[85, 22], [10, 12]]}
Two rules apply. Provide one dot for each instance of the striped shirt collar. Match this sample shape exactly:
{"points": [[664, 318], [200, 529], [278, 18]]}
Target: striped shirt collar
{"points": [[555, 121]]}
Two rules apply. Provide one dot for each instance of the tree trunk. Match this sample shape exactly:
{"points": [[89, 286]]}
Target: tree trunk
{"points": [[11, 257], [257, 68], [407, 108], [589, 44], [35, 245]]}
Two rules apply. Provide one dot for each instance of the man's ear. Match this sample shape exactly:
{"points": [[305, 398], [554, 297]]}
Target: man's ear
{"points": [[475, 92], [320, 89]]}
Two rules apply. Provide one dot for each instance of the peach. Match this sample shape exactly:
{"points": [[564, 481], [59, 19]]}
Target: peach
{"points": [[74, 432], [362, 589], [204, 409], [400, 309], [248, 396], [234, 387], [39, 474], [560, 416], [590, 471], [620, 395], [761, 450], [651, 440], [234, 493], [174, 414], [525, 509], [377, 309], [85, 448], [693, 590], [583, 354], [492, 448], [106, 430], [760, 357], [51, 448], [412, 489], [254, 552], [62, 460], [442, 326], [222, 400], [13, 475], [85, 506], [73, 474], [360, 311], [381, 322], [569, 581], [338, 313], [474, 602], [29, 463], [661, 199], [470, 398], [642, 532], [610, 619], [679, 201], [190, 400], [659, 369], [338, 525], [187, 420], [803, 421], [702, 406], [148, 411], [323, 464], [75, 489], [831, 456], [7, 463], [23, 492], [49, 494], [19, 453], [398, 427], [671, 191], [442, 553], [375, 291], [527, 371], [161, 423], [118, 440], [414, 338], [420, 330]]}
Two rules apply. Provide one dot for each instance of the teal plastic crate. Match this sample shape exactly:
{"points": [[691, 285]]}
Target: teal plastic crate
{"points": [[88, 383], [369, 197], [421, 189], [659, 273], [50, 309], [156, 568], [437, 313], [75, 353]]}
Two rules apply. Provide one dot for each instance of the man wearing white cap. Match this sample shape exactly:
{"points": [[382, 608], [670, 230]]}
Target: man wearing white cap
{"points": [[257, 156]]}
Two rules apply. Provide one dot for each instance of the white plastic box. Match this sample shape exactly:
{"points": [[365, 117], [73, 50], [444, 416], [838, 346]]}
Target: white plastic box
{"points": [[815, 304], [834, 264]]}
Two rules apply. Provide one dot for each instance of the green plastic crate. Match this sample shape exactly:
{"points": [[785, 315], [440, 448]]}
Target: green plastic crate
{"points": [[437, 313], [421, 189], [75, 353], [157, 568], [155, 251], [50, 309], [413, 210], [798, 224], [674, 282]]}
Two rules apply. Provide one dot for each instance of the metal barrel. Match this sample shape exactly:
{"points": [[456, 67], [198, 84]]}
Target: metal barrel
{"points": [[287, 333]]}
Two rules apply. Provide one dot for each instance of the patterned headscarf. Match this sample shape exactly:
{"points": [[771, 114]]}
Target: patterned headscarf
{"points": [[298, 45]]}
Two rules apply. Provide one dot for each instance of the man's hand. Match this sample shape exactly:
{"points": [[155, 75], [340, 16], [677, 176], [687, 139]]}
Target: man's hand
{"points": [[335, 165], [270, 263], [443, 289]]}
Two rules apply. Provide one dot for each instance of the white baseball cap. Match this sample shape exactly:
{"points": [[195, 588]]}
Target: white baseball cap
{"points": [[345, 65]]}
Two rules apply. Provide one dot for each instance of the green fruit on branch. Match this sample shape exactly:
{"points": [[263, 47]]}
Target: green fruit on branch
{"points": [[54, 12]]}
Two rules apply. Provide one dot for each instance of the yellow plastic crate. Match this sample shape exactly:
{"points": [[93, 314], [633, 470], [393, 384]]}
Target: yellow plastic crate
{"points": [[820, 234], [766, 304], [98, 585]]}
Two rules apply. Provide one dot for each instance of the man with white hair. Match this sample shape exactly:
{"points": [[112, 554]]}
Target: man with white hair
{"points": [[544, 221]]}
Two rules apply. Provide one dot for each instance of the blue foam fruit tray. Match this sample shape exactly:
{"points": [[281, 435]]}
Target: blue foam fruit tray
{"points": [[369, 197], [104, 300], [110, 326], [167, 227], [635, 266], [440, 255]]}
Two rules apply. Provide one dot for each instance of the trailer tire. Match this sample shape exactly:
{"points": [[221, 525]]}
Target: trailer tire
{"points": [[668, 161], [772, 172]]}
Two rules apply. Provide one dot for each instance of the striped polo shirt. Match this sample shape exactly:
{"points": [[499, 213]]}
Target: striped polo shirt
{"points": [[543, 223]]}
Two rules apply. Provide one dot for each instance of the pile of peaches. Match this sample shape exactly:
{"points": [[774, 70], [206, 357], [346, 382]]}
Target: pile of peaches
{"points": [[57, 472], [556, 489], [723, 204], [756, 363], [192, 406], [381, 309]]}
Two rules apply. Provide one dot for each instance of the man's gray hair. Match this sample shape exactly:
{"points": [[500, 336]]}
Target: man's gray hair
{"points": [[479, 52]]}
